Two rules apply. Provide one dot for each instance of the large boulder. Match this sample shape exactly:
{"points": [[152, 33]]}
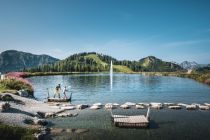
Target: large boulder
{"points": [[38, 121], [23, 93], [7, 97], [4, 106]]}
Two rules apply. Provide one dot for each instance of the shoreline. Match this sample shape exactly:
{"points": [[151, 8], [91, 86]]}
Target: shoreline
{"points": [[199, 77]]}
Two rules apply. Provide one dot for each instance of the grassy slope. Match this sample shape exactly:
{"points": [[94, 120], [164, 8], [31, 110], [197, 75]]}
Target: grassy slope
{"points": [[96, 58], [120, 68], [117, 68]]}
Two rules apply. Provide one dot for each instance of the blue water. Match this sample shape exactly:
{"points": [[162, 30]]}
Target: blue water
{"points": [[91, 88], [165, 124]]}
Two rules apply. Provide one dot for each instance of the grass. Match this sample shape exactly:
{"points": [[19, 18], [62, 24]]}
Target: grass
{"points": [[16, 133], [96, 58], [12, 84], [123, 69]]}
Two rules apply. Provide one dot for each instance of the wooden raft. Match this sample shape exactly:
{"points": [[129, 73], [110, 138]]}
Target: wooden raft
{"points": [[58, 100], [137, 121]]}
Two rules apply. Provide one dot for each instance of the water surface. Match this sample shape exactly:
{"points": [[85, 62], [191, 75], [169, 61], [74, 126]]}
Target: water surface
{"points": [[165, 124]]}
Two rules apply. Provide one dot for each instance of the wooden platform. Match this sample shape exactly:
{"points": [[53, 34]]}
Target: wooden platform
{"points": [[58, 100], [136, 121], [130, 121]]}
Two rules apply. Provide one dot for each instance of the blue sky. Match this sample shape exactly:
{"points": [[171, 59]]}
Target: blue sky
{"points": [[125, 29]]}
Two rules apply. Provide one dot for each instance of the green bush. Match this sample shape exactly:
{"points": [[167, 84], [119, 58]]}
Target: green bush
{"points": [[16, 84], [16, 133]]}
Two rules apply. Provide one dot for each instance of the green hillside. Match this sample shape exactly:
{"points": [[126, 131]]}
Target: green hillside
{"points": [[94, 62]]}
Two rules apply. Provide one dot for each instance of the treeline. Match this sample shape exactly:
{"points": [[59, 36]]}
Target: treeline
{"points": [[99, 63]]}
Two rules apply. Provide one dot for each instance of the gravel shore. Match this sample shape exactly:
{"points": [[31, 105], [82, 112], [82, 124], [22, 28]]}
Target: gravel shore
{"points": [[25, 108]]}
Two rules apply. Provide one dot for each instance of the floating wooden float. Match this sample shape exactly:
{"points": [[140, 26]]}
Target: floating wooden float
{"points": [[137, 121], [175, 107], [58, 100]]}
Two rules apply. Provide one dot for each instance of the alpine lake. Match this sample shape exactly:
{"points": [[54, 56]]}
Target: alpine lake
{"points": [[166, 124]]}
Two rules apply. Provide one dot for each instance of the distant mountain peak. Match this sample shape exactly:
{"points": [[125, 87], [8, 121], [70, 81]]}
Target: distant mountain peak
{"points": [[189, 65], [13, 60]]}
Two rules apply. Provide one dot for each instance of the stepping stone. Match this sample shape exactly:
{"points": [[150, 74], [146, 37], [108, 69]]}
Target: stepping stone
{"points": [[203, 107], [124, 106], [191, 107], [139, 106], [95, 107], [175, 107]]}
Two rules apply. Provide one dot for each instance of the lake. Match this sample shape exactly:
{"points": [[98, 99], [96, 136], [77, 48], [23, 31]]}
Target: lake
{"points": [[165, 123]]}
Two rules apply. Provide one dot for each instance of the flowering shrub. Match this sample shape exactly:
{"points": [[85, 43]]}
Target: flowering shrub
{"points": [[16, 81]]}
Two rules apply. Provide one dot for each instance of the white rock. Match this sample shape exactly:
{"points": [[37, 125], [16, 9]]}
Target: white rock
{"points": [[82, 106], [68, 107], [208, 104], [124, 106], [175, 107], [115, 104], [168, 104], [181, 104], [95, 107], [139, 106], [130, 104], [204, 107], [191, 107], [97, 104]]}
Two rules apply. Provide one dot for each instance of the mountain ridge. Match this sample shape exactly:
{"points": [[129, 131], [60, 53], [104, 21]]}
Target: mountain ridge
{"points": [[13, 60], [96, 62]]}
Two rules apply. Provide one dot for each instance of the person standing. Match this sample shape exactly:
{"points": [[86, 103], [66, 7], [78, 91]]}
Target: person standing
{"points": [[57, 90], [64, 92]]}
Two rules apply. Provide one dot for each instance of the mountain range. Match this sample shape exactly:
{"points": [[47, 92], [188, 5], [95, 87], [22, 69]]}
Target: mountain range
{"points": [[192, 65], [95, 62], [12, 60]]}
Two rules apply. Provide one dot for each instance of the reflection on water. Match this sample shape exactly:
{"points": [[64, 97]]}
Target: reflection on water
{"points": [[91, 88], [165, 124]]}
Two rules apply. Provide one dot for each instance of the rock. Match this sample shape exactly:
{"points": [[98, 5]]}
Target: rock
{"points": [[156, 105], [82, 106], [130, 104], [139, 106], [97, 104], [68, 130], [191, 107], [56, 131], [39, 136], [168, 104], [95, 107], [4, 106], [40, 114], [23, 93], [203, 107], [124, 106], [109, 106], [7, 97], [49, 114], [79, 131], [28, 121], [68, 107], [175, 107], [42, 122], [207, 104]]}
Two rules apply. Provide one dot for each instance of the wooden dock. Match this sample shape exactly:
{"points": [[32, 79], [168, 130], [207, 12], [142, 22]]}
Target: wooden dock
{"points": [[137, 121], [58, 100]]}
